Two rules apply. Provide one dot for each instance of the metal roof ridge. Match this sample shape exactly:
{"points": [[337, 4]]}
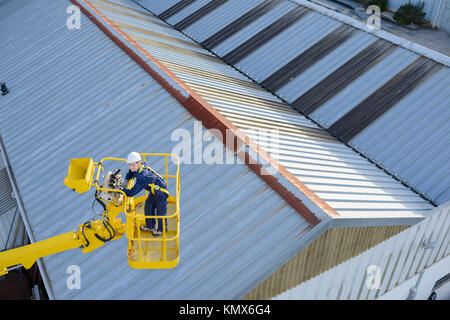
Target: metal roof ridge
{"points": [[293, 191], [407, 44]]}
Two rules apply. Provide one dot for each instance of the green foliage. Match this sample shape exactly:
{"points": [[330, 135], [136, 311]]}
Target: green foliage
{"points": [[410, 13], [383, 4]]}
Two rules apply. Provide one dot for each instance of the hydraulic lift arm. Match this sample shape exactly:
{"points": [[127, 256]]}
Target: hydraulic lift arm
{"points": [[27, 255], [89, 236]]}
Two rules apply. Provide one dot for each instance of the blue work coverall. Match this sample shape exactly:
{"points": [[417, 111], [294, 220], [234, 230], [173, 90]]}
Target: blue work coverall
{"points": [[156, 203]]}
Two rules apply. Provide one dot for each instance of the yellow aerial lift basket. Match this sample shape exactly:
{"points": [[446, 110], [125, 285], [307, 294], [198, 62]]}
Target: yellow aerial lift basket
{"points": [[144, 250], [80, 174]]}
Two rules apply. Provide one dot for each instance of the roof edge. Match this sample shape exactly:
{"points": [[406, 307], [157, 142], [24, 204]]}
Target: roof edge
{"points": [[407, 44], [212, 119], [350, 222]]}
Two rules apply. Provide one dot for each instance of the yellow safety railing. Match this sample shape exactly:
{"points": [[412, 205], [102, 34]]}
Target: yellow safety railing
{"points": [[138, 242]]}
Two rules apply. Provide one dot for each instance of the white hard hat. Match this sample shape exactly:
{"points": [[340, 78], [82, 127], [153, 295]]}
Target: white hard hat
{"points": [[133, 157]]}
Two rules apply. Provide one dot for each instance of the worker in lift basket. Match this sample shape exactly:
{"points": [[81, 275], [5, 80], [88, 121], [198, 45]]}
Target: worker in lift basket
{"points": [[146, 178]]}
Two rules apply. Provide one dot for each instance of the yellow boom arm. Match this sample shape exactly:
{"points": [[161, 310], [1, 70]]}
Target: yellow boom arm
{"points": [[27, 255], [88, 237]]}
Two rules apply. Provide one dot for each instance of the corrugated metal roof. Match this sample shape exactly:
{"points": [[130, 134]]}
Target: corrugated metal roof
{"points": [[80, 95], [347, 84], [398, 259], [350, 184]]}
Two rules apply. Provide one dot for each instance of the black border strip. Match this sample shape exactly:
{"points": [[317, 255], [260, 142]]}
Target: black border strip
{"points": [[265, 35], [240, 23], [342, 77], [200, 13], [309, 57], [360, 117], [175, 9]]}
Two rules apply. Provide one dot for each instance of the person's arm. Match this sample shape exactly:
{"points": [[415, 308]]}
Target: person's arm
{"points": [[128, 176], [138, 186]]}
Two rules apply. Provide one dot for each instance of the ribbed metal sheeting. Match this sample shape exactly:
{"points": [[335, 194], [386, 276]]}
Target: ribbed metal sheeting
{"points": [[333, 247], [415, 147], [398, 259], [12, 232], [347, 182], [75, 93], [345, 78], [7, 202]]}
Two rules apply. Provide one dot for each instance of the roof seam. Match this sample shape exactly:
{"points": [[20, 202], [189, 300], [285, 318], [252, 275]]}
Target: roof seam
{"points": [[211, 118]]}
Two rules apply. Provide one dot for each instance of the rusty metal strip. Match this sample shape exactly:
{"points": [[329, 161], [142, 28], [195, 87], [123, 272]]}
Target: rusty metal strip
{"points": [[174, 48], [187, 69], [155, 34], [116, 5]]}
